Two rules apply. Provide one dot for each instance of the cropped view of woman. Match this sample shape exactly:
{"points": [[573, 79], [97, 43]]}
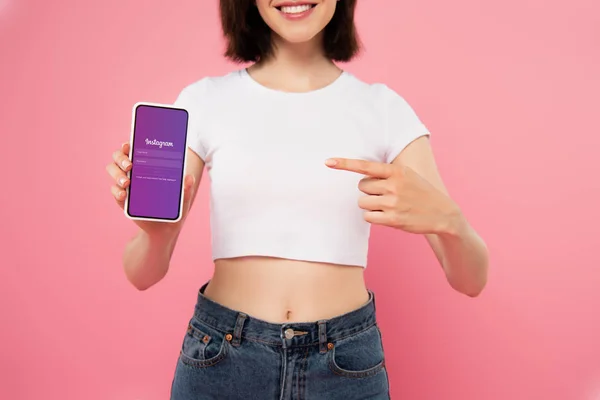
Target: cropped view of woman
{"points": [[303, 157]]}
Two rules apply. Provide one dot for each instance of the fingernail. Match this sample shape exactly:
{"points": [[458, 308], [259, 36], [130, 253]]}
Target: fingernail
{"points": [[125, 163], [330, 162], [122, 181]]}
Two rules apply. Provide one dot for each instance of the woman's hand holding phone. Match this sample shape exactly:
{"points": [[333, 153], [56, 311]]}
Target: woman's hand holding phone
{"points": [[118, 170]]}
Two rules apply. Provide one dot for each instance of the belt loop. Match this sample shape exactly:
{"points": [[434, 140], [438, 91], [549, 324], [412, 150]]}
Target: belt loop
{"points": [[322, 337], [237, 331]]}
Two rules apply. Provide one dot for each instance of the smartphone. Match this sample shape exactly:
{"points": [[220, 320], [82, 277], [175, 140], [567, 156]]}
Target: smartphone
{"points": [[158, 146]]}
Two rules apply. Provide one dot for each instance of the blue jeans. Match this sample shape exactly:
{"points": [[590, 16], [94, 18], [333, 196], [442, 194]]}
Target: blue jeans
{"points": [[228, 355]]}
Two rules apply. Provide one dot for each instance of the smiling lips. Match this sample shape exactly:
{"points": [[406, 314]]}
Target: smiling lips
{"points": [[295, 11]]}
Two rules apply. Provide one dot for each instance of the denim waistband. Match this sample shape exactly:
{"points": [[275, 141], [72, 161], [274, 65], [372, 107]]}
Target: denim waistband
{"points": [[294, 334]]}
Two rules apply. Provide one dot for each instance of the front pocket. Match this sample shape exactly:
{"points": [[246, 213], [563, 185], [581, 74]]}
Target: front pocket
{"points": [[203, 346], [358, 356]]}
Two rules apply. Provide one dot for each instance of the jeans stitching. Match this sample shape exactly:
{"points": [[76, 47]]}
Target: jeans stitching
{"points": [[189, 361], [336, 369], [355, 374], [302, 376]]}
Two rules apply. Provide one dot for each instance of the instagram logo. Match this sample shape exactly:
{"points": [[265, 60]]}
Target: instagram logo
{"points": [[158, 143]]}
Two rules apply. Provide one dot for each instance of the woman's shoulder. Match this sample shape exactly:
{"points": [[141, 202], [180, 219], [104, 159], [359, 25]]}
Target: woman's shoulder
{"points": [[377, 91]]}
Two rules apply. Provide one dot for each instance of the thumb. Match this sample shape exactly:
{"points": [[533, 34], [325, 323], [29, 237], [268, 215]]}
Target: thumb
{"points": [[188, 188]]}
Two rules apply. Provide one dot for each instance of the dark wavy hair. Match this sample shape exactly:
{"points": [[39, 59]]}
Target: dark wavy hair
{"points": [[248, 37]]}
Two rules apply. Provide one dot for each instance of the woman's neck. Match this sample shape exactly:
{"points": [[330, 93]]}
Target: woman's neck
{"points": [[296, 67]]}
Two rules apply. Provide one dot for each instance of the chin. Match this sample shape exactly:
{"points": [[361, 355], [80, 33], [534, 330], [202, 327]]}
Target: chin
{"points": [[298, 37]]}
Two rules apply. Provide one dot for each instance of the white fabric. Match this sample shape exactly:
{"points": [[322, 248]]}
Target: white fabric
{"points": [[271, 193]]}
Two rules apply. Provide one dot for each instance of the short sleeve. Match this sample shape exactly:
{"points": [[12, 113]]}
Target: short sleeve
{"points": [[190, 99], [403, 126]]}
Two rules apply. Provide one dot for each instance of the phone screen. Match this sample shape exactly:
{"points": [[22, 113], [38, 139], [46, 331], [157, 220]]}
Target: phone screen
{"points": [[158, 158]]}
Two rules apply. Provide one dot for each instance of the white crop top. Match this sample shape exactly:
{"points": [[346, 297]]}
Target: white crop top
{"points": [[271, 193]]}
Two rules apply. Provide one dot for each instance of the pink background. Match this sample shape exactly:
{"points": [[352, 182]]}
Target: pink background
{"points": [[510, 91]]}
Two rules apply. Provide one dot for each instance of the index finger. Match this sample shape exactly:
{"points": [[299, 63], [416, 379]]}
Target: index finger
{"points": [[370, 168]]}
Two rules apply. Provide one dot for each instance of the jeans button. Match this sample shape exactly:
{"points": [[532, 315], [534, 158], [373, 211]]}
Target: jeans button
{"points": [[289, 333]]}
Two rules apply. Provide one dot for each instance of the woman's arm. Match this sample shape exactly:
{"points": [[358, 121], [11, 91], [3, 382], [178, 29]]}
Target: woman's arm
{"points": [[147, 256], [461, 252]]}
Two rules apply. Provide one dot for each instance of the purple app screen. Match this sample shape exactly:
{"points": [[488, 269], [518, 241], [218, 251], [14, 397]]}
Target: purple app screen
{"points": [[158, 152]]}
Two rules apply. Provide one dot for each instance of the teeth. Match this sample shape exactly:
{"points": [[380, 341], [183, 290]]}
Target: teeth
{"points": [[296, 9]]}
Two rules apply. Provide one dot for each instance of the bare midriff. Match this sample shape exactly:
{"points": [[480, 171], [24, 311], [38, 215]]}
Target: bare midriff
{"points": [[282, 291]]}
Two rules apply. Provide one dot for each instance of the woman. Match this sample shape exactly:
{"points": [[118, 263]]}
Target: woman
{"points": [[303, 158]]}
